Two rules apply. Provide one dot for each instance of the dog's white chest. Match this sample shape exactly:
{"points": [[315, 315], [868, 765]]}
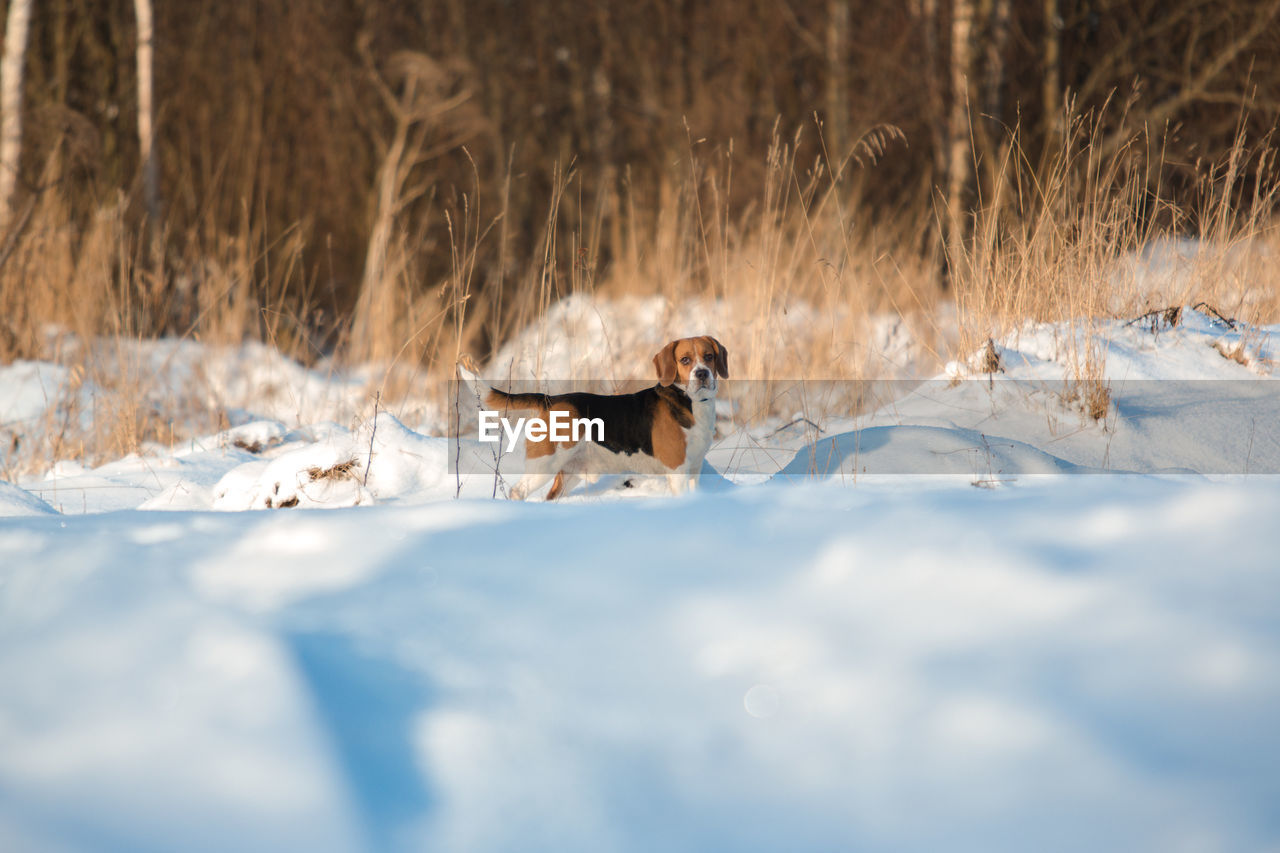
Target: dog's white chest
{"points": [[698, 437]]}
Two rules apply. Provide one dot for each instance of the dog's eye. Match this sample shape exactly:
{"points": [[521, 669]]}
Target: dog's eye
{"points": [[684, 360]]}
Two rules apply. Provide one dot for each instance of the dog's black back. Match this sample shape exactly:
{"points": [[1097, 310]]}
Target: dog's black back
{"points": [[628, 418]]}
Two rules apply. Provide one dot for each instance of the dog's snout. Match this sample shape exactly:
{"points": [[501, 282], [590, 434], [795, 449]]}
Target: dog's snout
{"points": [[702, 373]]}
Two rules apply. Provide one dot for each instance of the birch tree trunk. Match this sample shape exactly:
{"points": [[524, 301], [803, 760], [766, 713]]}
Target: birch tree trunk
{"points": [[995, 137], [997, 43], [959, 161], [11, 74], [150, 179], [837, 123], [927, 14], [1051, 85]]}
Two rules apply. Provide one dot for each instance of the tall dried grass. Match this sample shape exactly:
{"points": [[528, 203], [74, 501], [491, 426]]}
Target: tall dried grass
{"points": [[793, 278], [84, 291], [1075, 239], [799, 281]]}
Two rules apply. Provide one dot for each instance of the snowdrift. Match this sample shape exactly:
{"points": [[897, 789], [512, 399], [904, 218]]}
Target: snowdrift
{"points": [[837, 643], [1090, 663], [1195, 396]]}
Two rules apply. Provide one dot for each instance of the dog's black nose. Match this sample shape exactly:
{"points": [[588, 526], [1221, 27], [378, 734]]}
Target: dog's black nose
{"points": [[702, 373]]}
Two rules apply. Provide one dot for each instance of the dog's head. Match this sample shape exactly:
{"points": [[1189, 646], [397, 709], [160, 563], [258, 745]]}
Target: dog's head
{"points": [[692, 364]]}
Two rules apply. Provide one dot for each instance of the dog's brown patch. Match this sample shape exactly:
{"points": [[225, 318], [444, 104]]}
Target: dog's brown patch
{"points": [[668, 438], [712, 352], [537, 448], [665, 363], [722, 357], [557, 487], [703, 348], [535, 406]]}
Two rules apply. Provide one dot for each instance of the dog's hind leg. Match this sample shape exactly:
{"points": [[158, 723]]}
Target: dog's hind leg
{"points": [[538, 471], [528, 484], [562, 485]]}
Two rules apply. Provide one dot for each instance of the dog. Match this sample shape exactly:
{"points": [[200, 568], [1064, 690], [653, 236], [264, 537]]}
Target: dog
{"points": [[666, 429]]}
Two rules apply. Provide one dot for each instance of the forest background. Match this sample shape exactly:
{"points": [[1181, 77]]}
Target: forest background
{"points": [[374, 182]]}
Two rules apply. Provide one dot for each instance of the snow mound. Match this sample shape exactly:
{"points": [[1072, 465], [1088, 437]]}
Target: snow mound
{"points": [[1173, 391], [262, 380], [28, 389], [922, 450], [584, 337], [381, 460], [1182, 270], [1177, 343], [254, 436], [1088, 664], [581, 337], [19, 502], [1177, 391]]}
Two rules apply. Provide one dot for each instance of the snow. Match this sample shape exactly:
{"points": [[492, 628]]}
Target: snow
{"points": [[1174, 404], [16, 502], [837, 642], [1173, 270], [27, 388], [1087, 663], [590, 339]]}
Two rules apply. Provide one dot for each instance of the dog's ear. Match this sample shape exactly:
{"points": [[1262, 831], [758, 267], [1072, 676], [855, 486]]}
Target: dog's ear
{"points": [[722, 358], [665, 363]]}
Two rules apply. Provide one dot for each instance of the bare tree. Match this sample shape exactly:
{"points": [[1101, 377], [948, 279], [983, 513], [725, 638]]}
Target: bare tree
{"points": [[429, 120], [1202, 81], [11, 77]]}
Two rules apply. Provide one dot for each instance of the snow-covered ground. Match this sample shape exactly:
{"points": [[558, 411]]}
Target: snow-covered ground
{"points": [[1092, 663], [837, 643]]}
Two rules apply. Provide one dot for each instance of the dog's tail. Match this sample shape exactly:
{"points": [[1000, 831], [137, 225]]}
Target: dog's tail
{"points": [[468, 373], [504, 400]]}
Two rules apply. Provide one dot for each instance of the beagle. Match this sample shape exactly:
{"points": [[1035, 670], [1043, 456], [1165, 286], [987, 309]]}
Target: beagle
{"points": [[666, 429]]}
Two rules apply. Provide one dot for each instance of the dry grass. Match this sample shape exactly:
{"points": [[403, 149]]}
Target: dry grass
{"points": [[797, 281], [341, 471], [384, 186], [82, 293], [801, 283], [1057, 242]]}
